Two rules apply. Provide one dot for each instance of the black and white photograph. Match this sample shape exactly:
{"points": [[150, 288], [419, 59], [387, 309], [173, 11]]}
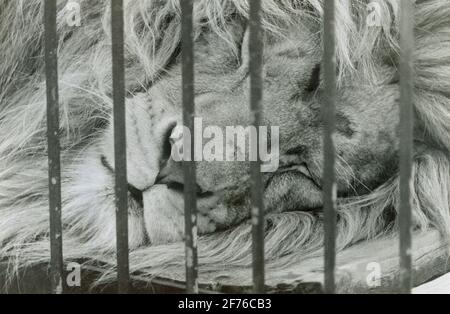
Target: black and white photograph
{"points": [[224, 147]]}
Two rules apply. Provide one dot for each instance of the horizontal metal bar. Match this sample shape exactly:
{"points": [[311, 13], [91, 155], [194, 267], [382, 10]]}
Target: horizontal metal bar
{"points": [[406, 142], [54, 171], [256, 93], [120, 157], [328, 112], [190, 193]]}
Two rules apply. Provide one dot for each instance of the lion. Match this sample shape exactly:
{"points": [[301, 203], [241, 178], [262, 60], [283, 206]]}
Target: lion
{"points": [[366, 137]]}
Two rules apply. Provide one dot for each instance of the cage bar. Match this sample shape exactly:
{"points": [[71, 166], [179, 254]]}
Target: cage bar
{"points": [[328, 112], [256, 93], [120, 159], [406, 142], [54, 162], [189, 168]]}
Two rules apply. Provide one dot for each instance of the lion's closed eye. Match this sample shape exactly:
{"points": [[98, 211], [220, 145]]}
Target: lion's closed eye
{"points": [[146, 85]]}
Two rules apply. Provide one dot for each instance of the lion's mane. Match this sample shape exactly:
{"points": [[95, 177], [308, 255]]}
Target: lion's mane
{"points": [[152, 35]]}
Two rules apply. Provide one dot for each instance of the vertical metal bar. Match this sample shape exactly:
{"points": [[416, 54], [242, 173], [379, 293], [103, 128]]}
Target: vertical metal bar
{"points": [[190, 193], [120, 158], [54, 171], [328, 112], [406, 141], [256, 85]]}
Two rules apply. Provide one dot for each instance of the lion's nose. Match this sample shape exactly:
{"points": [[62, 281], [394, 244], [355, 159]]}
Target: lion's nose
{"points": [[171, 171], [172, 175], [167, 142]]}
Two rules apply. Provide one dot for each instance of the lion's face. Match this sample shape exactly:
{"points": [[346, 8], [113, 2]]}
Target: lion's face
{"points": [[366, 136], [365, 139]]}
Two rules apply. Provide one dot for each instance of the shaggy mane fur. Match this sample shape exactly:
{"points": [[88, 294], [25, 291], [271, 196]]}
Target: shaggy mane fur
{"points": [[152, 35]]}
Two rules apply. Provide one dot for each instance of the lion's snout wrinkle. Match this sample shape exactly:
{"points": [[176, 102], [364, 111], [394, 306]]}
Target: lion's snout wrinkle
{"points": [[149, 124]]}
